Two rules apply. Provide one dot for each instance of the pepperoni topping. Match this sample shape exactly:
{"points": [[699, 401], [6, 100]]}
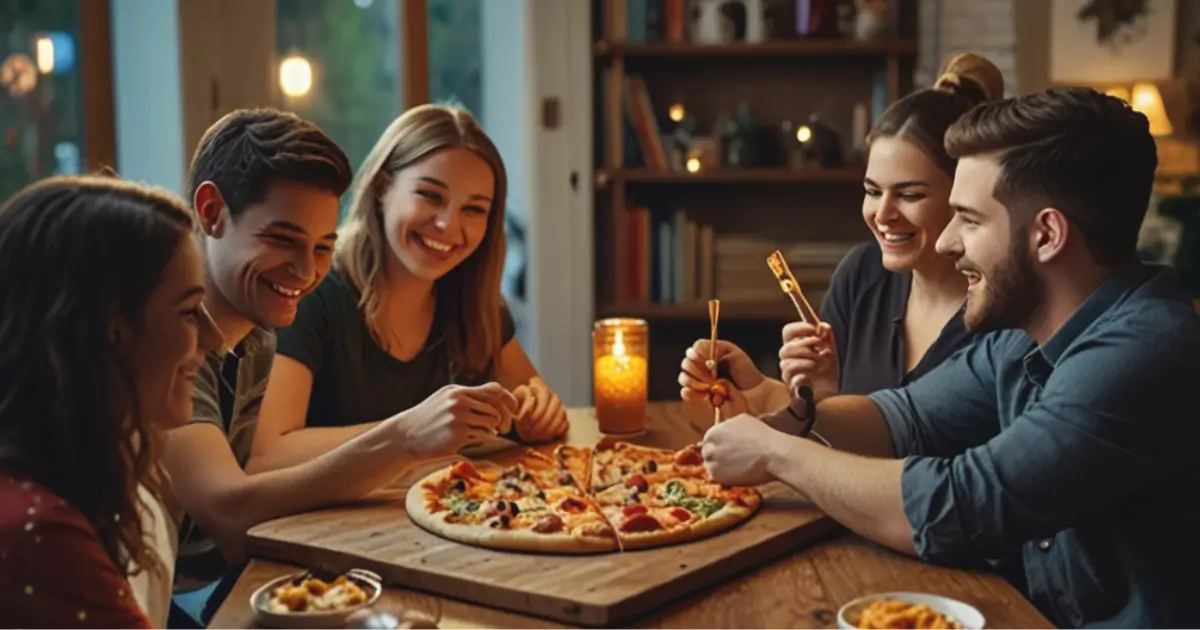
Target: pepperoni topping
{"points": [[548, 524], [689, 456], [680, 514], [637, 481], [634, 510], [641, 523], [572, 505], [464, 470]]}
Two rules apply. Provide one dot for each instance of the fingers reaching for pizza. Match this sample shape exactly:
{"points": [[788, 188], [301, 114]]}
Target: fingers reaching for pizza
{"points": [[541, 416], [453, 417], [735, 451]]}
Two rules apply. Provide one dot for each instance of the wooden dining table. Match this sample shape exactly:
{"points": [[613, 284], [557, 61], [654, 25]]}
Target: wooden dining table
{"points": [[800, 589]]}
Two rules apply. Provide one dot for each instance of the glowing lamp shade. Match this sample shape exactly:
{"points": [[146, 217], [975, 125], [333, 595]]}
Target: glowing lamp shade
{"points": [[1119, 92], [295, 76], [620, 374], [1146, 99]]}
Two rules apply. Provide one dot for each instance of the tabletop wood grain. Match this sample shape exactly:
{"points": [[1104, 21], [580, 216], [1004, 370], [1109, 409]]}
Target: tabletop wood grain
{"points": [[802, 590]]}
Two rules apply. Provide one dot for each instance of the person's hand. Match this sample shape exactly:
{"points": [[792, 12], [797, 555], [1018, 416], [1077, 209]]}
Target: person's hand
{"points": [[540, 415], [809, 357], [453, 417], [736, 451], [696, 379]]}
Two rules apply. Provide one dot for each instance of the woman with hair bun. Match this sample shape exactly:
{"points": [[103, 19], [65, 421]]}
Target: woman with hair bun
{"points": [[894, 306]]}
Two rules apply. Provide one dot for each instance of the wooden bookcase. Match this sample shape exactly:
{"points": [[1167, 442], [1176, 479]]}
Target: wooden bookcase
{"points": [[648, 213]]}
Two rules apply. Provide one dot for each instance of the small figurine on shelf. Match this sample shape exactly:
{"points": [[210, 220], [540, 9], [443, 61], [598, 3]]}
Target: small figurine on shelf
{"points": [[749, 144], [871, 21]]}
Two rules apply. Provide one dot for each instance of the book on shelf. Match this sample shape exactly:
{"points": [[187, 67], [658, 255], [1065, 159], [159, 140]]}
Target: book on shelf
{"points": [[664, 256], [646, 21]]}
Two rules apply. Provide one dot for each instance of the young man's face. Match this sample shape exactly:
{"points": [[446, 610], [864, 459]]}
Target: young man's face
{"points": [[1004, 290], [274, 253]]}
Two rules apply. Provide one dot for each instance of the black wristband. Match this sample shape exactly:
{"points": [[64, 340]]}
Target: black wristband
{"points": [[808, 417]]}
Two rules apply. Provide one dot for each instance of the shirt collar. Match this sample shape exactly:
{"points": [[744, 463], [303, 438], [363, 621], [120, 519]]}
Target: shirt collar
{"points": [[258, 340], [1119, 282]]}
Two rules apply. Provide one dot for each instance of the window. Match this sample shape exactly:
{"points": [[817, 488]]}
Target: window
{"points": [[455, 54], [41, 100], [340, 67]]}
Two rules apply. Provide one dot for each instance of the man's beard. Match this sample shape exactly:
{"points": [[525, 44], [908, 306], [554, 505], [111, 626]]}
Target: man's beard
{"points": [[1012, 293]]}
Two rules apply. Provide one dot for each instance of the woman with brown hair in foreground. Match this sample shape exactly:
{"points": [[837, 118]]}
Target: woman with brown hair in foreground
{"points": [[101, 333]]}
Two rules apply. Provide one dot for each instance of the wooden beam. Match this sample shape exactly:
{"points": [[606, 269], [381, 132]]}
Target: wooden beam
{"points": [[415, 51], [95, 66]]}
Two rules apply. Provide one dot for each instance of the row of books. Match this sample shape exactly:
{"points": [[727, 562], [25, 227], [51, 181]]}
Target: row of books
{"points": [[645, 21], [667, 257]]}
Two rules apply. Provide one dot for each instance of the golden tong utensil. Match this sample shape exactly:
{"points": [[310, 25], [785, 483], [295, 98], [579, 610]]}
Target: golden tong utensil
{"points": [[787, 282]]}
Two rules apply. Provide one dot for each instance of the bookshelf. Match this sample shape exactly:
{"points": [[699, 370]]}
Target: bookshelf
{"points": [[694, 190]]}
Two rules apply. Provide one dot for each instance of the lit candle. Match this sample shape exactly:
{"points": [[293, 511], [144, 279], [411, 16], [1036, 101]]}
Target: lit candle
{"points": [[620, 380]]}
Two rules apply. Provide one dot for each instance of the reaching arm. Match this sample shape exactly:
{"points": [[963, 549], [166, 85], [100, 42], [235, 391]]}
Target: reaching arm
{"points": [[282, 439], [225, 501], [862, 493]]}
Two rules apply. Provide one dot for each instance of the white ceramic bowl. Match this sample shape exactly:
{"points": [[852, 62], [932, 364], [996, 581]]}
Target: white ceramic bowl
{"points": [[370, 582], [966, 615]]}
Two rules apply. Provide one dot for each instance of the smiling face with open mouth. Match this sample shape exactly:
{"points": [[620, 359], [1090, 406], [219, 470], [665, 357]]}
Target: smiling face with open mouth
{"points": [[436, 212], [275, 252], [165, 349], [1003, 287], [905, 203]]}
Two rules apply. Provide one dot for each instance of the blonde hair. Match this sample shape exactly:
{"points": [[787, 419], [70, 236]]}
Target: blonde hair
{"points": [[471, 291]]}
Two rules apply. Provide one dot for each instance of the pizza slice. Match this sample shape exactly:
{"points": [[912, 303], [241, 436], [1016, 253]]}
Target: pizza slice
{"points": [[613, 463], [509, 509]]}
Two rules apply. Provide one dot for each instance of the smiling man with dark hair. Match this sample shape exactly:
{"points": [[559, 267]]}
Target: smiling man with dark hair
{"points": [[265, 188], [1063, 441]]}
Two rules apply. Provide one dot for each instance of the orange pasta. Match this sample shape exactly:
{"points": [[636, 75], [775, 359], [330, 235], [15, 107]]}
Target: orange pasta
{"points": [[888, 614]]}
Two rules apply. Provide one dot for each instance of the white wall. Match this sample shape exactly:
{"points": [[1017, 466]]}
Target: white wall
{"points": [[984, 27], [171, 83]]}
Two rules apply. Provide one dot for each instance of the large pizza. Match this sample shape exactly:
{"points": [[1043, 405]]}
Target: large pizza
{"points": [[580, 500]]}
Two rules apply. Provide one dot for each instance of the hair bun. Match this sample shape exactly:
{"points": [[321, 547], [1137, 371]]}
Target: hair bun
{"points": [[974, 70]]}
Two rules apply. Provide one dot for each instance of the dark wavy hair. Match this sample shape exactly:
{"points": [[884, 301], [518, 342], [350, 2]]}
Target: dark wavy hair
{"points": [[1088, 154], [76, 252], [248, 150]]}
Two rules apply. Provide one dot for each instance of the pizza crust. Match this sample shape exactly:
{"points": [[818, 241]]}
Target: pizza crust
{"points": [[416, 504]]}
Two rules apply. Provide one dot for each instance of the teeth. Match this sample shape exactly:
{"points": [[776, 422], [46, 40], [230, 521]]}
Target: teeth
{"points": [[435, 245], [896, 238], [282, 290]]}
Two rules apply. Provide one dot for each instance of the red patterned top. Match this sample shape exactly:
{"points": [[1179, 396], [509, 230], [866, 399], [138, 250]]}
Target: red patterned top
{"points": [[54, 572]]}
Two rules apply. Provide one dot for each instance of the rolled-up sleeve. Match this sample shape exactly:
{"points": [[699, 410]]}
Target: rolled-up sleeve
{"points": [[950, 409], [1101, 430]]}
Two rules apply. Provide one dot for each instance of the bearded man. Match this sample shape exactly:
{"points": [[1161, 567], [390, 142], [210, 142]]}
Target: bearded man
{"points": [[1062, 442]]}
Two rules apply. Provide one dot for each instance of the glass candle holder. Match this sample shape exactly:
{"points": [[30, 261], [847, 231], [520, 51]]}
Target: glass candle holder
{"points": [[620, 348]]}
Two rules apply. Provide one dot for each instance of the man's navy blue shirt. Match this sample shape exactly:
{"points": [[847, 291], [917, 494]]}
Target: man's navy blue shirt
{"points": [[1077, 457]]}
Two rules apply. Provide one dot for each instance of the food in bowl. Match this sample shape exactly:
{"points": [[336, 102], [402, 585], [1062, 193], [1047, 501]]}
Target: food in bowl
{"points": [[888, 614], [310, 594]]}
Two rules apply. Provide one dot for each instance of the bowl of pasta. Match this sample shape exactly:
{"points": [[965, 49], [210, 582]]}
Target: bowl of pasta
{"points": [[909, 610], [308, 600]]}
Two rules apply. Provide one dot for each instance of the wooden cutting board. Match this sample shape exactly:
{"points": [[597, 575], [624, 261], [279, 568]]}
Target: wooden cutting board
{"points": [[583, 590]]}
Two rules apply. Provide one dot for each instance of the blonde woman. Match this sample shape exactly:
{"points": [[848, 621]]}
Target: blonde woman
{"points": [[410, 321]]}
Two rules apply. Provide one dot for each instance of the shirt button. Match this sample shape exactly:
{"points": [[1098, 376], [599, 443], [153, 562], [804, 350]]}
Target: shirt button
{"points": [[1044, 545]]}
